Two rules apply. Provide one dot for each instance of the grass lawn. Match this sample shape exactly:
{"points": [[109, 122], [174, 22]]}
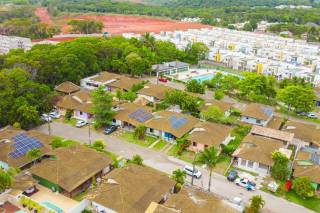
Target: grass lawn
{"points": [[187, 156], [71, 122], [222, 166], [159, 146], [310, 203], [128, 136]]}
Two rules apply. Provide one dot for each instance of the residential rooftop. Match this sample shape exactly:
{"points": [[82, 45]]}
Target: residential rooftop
{"points": [[258, 111], [272, 133], [67, 87]]}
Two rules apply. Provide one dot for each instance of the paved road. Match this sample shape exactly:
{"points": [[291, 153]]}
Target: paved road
{"points": [[160, 161]]}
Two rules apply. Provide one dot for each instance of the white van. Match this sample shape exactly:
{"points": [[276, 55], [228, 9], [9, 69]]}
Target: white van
{"points": [[189, 170]]}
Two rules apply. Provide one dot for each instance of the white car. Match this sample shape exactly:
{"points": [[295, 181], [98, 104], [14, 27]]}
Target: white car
{"points": [[81, 123], [46, 118], [189, 170], [311, 115], [54, 114], [246, 183]]}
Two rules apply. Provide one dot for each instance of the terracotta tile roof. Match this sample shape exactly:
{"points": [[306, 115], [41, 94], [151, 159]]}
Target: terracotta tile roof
{"points": [[190, 200], [67, 87], [258, 111], [131, 189], [257, 149], [305, 132], [223, 106], [163, 121], [153, 90], [6, 147], [272, 133], [71, 166], [80, 100], [211, 134]]}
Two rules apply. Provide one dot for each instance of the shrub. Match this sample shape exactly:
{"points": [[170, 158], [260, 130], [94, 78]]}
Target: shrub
{"points": [[139, 132], [137, 159], [99, 145], [17, 125], [280, 169], [302, 186], [218, 95], [68, 114]]}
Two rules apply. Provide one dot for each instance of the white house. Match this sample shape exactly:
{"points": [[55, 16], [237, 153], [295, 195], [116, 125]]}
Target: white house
{"points": [[257, 114]]}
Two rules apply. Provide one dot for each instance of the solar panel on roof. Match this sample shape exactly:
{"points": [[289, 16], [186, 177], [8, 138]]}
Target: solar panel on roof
{"points": [[315, 157], [267, 110], [141, 115], [22, 144], [177, 123]]}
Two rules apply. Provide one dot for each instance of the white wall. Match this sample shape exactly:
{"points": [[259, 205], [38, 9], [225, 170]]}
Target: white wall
{"points": [[254, 168], [253, 121], [149, 98], [101, 209], [80, 206]]}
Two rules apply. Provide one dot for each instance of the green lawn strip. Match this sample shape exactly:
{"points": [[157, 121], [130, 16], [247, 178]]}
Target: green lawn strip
{"points": [[159, 146], [242, 170], [128, 136], [310, 203], [71, 122], [187, 156]]}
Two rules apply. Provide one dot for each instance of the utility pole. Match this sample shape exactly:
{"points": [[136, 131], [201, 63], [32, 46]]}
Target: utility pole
{"points": [[194, 167], [89, 133], [49, 126]]}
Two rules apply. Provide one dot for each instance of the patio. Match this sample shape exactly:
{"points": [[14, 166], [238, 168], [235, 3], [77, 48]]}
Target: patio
{"points": [[44, 195]]}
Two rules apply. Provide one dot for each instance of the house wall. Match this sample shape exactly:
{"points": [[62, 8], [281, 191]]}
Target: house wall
{"points": [[47, 183], [80, 206], [197, 148], [253, 166], [253, 121], [117, 122], [163, 135], [81, 115], [100, 208], [149, 98]]}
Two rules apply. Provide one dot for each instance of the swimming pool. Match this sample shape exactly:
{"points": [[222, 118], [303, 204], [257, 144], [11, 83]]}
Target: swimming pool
{"points": [[52, 206], [202, 78]]}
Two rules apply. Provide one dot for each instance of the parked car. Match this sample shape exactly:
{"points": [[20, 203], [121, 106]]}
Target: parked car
{"points": [[233, 174], [54, 114], [46, 118], [244, 182], [164, 80], [300, 113], [110, 129], [189, 170], [80, 123], [311, 115]]}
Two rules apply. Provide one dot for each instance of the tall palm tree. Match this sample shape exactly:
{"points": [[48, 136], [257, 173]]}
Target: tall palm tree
{"points": [[208, 157], [149, 41], [34, 154], [139, 132], [257, 203]]}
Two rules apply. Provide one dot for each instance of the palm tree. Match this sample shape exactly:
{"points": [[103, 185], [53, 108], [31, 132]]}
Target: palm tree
{"points": [[257, 203], [208, 157], [34, 154], [179, 176], [139, 132], [149, 41]]}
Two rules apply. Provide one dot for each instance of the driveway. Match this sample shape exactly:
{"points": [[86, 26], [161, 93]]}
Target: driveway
{"points": [[158, 160]]}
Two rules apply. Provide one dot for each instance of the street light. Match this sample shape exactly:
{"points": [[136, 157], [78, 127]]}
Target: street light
{"points": [[89, 133], [194, 167]]}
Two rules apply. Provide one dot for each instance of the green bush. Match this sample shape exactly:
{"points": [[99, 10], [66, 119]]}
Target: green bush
{"points": [[98, 145], [302, 186], [68, 115], [218, 95], [137, 159]]}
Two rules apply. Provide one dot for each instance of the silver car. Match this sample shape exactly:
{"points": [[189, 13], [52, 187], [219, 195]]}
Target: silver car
{"points": [[189, 170]]}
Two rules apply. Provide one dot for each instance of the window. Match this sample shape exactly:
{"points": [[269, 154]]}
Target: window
{"points": [[258, 122], [194, 144], [81, 113], [250, 164], [114, 120], [205, 146], [243, 162], [151, 130], [263, 166]]}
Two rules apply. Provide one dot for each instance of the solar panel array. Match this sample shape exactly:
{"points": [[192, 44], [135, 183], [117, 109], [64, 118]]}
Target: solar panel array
{"points": [[267, 110], [22, 144], [315, 157], [141, 115], [177, 123]]}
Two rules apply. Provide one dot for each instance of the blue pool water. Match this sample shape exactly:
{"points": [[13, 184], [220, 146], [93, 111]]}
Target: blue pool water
{"points": [[202, 78], [52, 206]]}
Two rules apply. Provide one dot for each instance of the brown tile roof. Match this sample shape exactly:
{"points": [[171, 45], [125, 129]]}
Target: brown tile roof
{"points": [[105, 77], [71, 166], [153, 90], [211, 134], [306, 132], [258, 111], [275, 122], [131, 189], [124, 83], [22, 182], [159, 208], [190, 200], [80, 100], [310, 170], [6, 147], [223, 106], [67, 87], [257, 149], [272, 133], [162, 121], [126, 109]]}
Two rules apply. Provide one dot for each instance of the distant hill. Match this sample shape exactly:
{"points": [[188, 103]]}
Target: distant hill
{"points": [[226, 3]]}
